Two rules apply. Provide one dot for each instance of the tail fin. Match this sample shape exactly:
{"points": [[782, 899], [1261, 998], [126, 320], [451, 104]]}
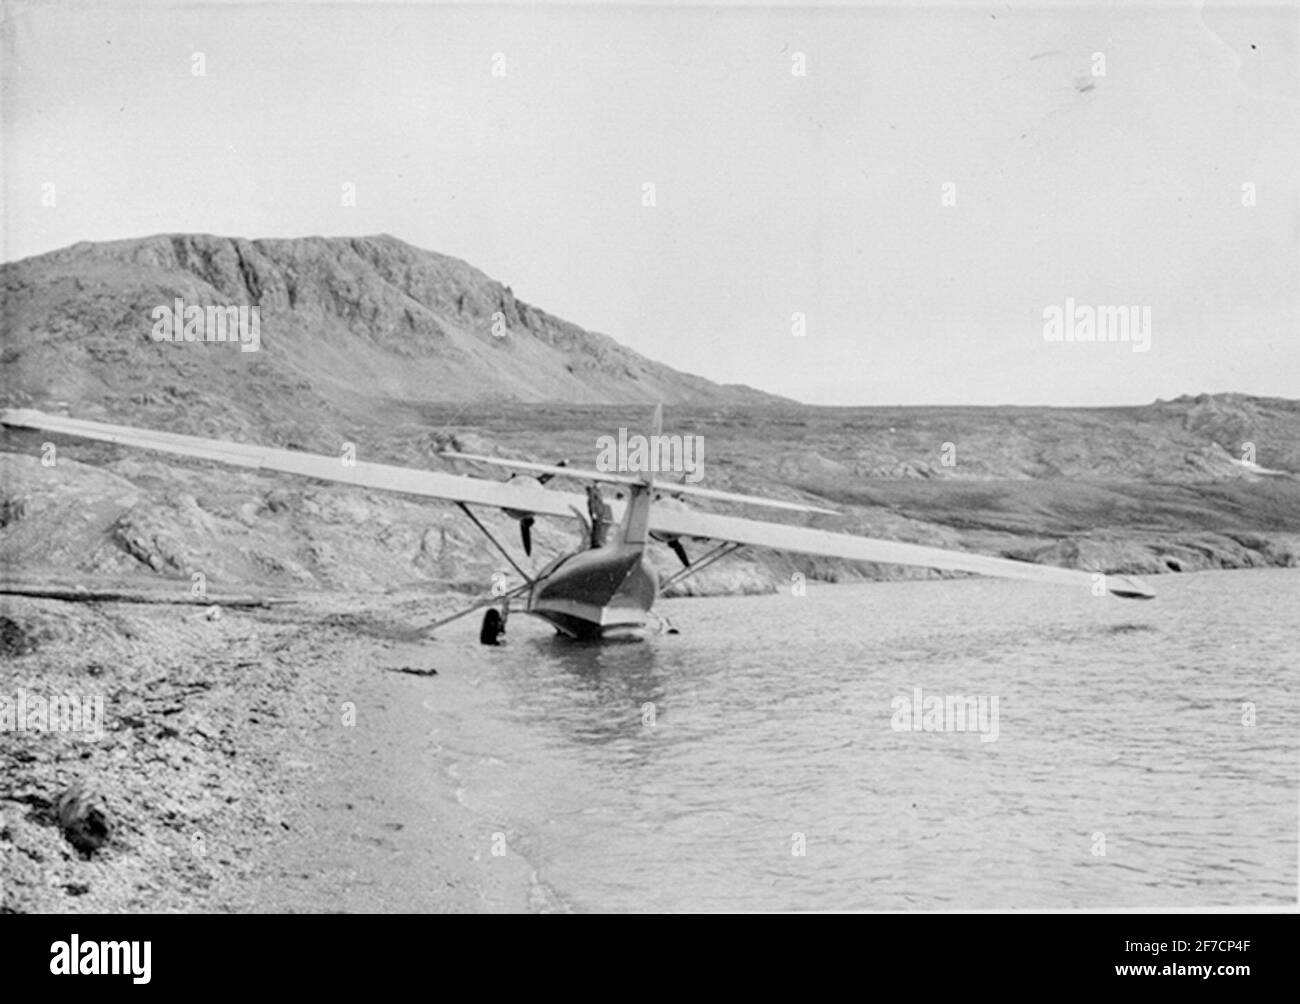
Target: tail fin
{"points": [[635, 529], [656, 431]]}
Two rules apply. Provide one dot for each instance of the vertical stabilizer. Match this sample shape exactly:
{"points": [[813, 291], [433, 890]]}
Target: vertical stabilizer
{"points": [[656, 435], [636, 520]]}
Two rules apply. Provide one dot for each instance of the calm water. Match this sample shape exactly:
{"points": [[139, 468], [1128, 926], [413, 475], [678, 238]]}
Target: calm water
{"points": [[1120, 727]]}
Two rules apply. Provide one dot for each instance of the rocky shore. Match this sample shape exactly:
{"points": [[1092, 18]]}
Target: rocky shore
{"points": [[217, 724]]}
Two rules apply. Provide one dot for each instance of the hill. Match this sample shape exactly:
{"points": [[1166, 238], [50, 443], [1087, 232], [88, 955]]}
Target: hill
{"points": [[345, 324]]}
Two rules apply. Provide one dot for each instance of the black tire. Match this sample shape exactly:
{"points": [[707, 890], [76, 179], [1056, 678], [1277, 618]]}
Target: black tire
{"points": [[494, 626]]}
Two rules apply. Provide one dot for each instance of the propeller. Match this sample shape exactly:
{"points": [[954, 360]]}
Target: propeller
{"points": [[527, 519], [679, 549]]}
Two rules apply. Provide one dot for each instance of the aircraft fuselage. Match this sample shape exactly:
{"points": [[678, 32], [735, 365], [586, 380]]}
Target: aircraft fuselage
{"points": [[586, 594], [606, 588]]}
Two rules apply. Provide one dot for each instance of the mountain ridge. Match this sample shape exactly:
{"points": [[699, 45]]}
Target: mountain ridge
{"points": [[368, 316]]}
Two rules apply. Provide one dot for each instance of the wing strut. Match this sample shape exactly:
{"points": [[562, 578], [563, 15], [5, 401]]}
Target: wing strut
{"points": [[717, 554], [528, 579], [489, 601]]}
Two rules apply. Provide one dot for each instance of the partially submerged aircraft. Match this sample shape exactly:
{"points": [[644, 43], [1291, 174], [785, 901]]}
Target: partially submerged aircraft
{"points": [[604, 588]]}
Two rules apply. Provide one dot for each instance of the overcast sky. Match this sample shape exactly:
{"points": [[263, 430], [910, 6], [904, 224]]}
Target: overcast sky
{"points": [[775, 193]]}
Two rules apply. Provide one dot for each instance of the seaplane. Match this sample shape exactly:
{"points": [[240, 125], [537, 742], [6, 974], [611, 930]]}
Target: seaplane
{"points": [[606, 587]]}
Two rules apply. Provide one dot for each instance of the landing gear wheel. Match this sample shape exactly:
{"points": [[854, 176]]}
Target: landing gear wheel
{"points": [[493, 629]]}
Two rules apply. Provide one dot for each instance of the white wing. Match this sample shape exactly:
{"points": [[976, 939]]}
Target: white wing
{"points": [[807, 540], [543, 501], [405, 480]]}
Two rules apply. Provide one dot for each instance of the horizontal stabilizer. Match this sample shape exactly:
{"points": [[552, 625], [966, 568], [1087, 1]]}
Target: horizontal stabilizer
{"points": [[629, 479]]}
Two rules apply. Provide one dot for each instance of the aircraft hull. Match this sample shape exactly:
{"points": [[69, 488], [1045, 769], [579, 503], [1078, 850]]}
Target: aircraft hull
{"points": [[594, 592]]}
